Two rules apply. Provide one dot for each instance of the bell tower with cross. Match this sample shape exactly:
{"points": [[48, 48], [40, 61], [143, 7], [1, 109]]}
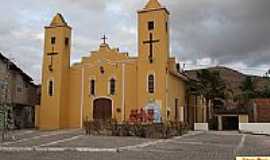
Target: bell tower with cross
{"points": [[153, 48], [153, 32], [55, 73]]}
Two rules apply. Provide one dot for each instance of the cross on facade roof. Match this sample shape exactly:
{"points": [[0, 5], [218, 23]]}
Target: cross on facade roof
{"points": [[104, 38]]}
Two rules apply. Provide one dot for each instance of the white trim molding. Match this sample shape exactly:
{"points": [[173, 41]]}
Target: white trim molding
{"points": [[123, 91], [82, 96]]}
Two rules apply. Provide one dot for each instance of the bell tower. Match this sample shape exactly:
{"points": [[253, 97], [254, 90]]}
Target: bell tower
{"points": [[153, 48], [55, 71], [153, 32]]}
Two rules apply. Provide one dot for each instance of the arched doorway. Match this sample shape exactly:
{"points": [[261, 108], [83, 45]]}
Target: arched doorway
{"points": [[102, 109]]}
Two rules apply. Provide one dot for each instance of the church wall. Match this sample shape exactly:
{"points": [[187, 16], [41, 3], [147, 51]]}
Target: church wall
{"points": [[74, 107], [130, 89], [160, 83], [176, 90], [111, 61], [102, 89], [64, 93]]}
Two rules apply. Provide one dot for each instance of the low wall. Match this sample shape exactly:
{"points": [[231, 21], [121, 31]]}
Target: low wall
{"points": [[256, 128], [201, 127]]}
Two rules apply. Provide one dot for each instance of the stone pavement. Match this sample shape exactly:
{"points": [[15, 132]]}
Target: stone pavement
{"points": [[74, 145]]}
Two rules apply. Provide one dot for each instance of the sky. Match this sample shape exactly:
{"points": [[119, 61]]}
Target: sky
{"points": [[232, 33]]}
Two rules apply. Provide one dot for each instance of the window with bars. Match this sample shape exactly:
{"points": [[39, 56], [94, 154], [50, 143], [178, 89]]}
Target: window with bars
{"points": [[151, 83], [66, 41], [151, 25], [50, 88], [53, 39], [166, 26], [176, 109], [92, 87], [112, 86]]}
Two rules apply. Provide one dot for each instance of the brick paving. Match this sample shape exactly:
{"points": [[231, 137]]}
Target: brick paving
{"points": [[197, 146]]}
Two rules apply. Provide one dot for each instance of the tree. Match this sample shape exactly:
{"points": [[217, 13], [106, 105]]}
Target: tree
{"points": [[250, 91], [265, 93], [267, 74], [248, 88], [208, 84]]}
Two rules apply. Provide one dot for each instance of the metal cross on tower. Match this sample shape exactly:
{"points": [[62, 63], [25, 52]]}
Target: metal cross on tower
{"points": [[51, 58], [151, 41]]}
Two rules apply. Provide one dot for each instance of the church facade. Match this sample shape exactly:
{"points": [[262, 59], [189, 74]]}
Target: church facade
{"points": [[109, 84]]}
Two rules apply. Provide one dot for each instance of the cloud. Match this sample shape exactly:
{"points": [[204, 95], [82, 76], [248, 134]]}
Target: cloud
{"points": [[208, 32], [229, 31], [93, 5]]}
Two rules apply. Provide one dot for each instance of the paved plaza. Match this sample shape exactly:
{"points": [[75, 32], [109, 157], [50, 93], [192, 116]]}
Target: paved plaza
{"points": [[74, 145]]}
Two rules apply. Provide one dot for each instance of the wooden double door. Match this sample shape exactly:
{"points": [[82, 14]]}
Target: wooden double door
{"points": [[102, 109]]}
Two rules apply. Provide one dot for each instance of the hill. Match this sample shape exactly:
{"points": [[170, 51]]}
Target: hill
{"points": [[233, 79]]}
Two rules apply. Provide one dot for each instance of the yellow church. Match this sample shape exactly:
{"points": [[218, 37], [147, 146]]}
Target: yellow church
{"points": [[109, 84]]}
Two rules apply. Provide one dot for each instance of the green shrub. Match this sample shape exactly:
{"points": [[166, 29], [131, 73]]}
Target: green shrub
{"points": [[143, 130]]}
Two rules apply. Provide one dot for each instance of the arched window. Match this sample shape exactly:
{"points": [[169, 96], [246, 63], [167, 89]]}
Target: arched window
{"points": [[112, 86], [92, 87], [50, 88], [67, 41], [151, 83], [151, 25], [166, 26], [53, 40]]}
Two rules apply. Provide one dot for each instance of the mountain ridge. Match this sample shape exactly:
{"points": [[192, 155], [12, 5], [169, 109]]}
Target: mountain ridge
{"points": [[233, 78]]}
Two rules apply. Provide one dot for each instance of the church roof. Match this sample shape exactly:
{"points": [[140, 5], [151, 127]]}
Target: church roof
{"points": [[152, 4], [58, 20], [14, 67], [178, 75]]}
